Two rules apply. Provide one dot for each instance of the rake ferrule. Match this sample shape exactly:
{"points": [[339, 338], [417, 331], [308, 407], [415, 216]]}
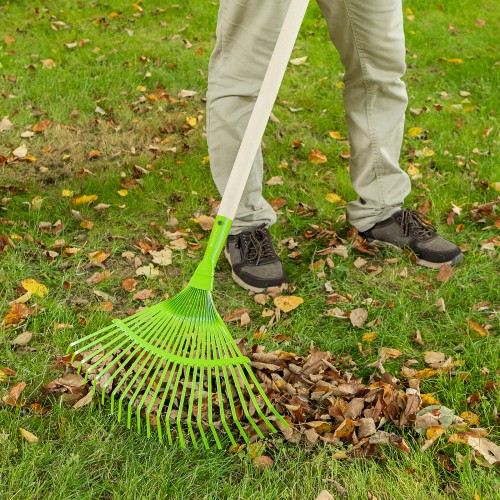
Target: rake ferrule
{"points": [[203, 277]]}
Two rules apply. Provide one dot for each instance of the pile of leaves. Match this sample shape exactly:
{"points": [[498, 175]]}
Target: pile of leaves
{"points": [[320, 403]]}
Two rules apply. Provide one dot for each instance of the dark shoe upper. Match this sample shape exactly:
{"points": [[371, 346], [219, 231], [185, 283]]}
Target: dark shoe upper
{"points": [[410, 229], [254, 262]]}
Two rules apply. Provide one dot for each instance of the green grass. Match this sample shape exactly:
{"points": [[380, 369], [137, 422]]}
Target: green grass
{"points": [[85, 453]]}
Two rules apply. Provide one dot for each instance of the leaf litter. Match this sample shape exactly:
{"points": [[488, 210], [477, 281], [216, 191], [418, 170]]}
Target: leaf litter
{"points": [[320, 403]]}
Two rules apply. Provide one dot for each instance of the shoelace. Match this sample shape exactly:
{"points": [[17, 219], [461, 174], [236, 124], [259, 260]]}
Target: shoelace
{"points": [[256, 245], [415, 222]]}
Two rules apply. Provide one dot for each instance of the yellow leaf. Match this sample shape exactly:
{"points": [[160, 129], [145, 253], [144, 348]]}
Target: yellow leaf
{"points": [[334, 134], [28, 435], [477, 328], [83, 199], [206, 159], [86, 224], [141, 88], [370, 337], [288, 303], [123, 192], [428, 399], [434, 432], [470, 418], [427, 152], [333, 198], [31, 285], [414, 132], [455, 60], [340, 85], [67, 193], [29, 158], [495, 186], [191, 121], [412, 170]]}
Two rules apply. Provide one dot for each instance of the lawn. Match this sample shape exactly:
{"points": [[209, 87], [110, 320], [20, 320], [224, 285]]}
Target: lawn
{"points": [[103, 158]]}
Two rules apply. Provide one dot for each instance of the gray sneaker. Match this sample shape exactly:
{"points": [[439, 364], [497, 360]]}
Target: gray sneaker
{"points": [[410, 229], [253, 260]]}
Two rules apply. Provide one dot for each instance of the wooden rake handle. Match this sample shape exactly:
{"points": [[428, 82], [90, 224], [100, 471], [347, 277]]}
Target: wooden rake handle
{"points": [[262, 110]]}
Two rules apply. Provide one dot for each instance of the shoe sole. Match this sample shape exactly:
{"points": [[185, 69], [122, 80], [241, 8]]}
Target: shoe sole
{"points": [[242, 283], [421, 262]]}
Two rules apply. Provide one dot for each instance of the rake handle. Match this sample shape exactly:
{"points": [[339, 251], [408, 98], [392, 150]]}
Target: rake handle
{"points": [[262, 109]]}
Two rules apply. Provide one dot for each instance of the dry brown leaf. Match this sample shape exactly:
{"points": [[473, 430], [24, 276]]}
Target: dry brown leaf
{"points": [[21, 339], [12, 398], [144, 295], [98, 277], [441, 305], [263, 462], [445, 273], [433, 357], [358, 317], [162, 257], [130, 284], [486, 448], [206, 222], [87, 399], [236, 314]]}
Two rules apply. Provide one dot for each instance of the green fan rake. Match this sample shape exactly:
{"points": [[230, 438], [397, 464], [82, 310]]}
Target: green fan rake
{"points": [[177, 361]]}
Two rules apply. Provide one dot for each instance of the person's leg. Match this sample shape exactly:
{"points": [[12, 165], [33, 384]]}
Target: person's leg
{"points": [[370, 40], [247, 31]]}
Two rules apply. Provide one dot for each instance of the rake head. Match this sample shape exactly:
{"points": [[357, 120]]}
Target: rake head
{"points": [[177, 362]]}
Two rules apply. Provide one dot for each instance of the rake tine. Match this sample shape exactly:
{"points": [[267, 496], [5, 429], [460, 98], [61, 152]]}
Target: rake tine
{"points": [[223, 350], [133, 353]]}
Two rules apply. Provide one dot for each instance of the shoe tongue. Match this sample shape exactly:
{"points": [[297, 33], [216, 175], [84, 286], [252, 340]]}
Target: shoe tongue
{"points": [[257, 245], [412, 221]]}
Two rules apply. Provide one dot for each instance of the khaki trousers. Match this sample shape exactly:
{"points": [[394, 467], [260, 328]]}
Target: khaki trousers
{"points": [[368, 35]]}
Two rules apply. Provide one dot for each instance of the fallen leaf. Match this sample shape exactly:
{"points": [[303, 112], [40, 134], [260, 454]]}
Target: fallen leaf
{"points": [[162, 257], [432, 357], [31, 285], [477, 328], [149, 271], [369, 337], [288, 303], [333, 198], [130, 284], [206, 222], [316, 156], [470, 418], [12, 398], [28, 435], [21, 151], [298, 61], [358, 317], [21, 339], [445, 273], [263, 462], [144, 295], [440, 305], [325, 495], [81, 200], [87, 399]]}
